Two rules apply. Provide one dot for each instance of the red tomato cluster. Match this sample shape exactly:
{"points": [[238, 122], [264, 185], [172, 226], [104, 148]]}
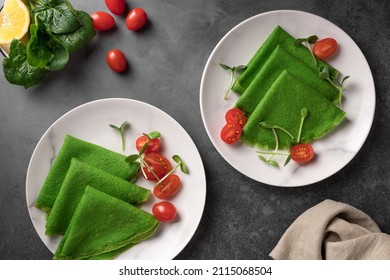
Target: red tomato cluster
{"points": [[235, 121], [102, 21], [158, 165]]}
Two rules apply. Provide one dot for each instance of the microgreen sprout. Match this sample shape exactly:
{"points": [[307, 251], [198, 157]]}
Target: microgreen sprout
{"points": [[324, 74], [303, 116], [180, 164], [270, 160], [138, 157], [233, 70], [121, 130], [307, 41]]}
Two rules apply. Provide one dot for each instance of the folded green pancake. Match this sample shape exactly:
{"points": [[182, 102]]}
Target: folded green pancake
{"points": [[282, 106], [280, 60], [277, 37], [78, 177], [95, 155], [103, 227]]}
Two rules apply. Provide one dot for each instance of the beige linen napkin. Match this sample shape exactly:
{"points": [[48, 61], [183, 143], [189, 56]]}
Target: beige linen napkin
{"points": [[333, 230]]}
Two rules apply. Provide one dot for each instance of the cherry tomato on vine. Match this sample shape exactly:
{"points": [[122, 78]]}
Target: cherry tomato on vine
{"points": [[153, 144], [231, 132], [324, 48], [136, 19], [116, 60], [102, 21], [302, 153], [116, 7], [158, 163], [167, 188], [164, 211], [235, 115]]}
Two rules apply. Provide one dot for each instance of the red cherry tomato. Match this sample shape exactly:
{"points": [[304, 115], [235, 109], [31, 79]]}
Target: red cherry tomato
{"points": [[116, 60], [231, 132], [167, 188], [235, 115], [325, 48], [102, 21], [136, 19], [164, 211], [158, 163], [116, 7], [153, 145], [302, 153]]}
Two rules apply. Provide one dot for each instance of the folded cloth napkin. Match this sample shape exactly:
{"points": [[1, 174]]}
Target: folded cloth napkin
{"points": [[333, 230]]}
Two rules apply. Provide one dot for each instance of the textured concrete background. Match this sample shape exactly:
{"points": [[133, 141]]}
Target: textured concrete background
{"points": [[243, 219]]}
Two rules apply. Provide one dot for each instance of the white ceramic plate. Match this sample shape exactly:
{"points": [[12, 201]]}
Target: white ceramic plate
{"points": [[332, 152], [90, 122]]}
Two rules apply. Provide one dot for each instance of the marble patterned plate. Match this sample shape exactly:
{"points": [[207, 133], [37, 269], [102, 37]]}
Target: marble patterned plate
{"points": [[90, 122], [335, 150]]}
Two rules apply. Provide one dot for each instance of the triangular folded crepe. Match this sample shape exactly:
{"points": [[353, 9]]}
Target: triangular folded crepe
{"points": [[80, 175], [104, 226], [95, 155], [282, 106], [277, 37], [280, 60]]}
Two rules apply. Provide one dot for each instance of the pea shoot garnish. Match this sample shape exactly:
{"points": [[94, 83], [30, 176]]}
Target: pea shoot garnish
{"points": [[179, 163], [325, 75], [270, 160], [233, 70], [121, 130], [308, 41], [138, 157]]}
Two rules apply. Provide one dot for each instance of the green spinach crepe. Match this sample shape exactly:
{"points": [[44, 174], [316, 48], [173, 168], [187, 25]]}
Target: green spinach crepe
{"points": [[80, 175], [282, 105], [103, 227], [277, 37], [278, 61], [95, 155]]}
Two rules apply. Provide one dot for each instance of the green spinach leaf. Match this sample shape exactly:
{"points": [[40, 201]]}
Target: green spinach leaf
{"points": [[57, 15], [17, 70], [39, 54], [76, 40]]}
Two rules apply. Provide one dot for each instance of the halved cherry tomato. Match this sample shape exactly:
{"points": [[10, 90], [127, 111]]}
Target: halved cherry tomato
{"points": [[102, 21], [158, 163], [153, 145], [167, 188], [302, 153], [116, 60], [231, 132], [116, 7], [325, 48], [164, 211], [235, 115], [136, 19]]}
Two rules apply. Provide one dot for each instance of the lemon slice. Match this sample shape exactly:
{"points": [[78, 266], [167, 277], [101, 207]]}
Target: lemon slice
{"points": [[14, 21]]}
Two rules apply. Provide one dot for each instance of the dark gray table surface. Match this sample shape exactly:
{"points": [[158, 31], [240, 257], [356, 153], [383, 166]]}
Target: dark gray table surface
{"points": [[242, 219]]}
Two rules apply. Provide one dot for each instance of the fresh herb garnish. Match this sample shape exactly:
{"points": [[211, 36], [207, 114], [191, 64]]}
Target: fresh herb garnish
{"points": [[138, 157], [324, 74], [308, 41], [270, 160], [303, 116], [275, 152], [121, 130], [180, 163], [233, 70]]}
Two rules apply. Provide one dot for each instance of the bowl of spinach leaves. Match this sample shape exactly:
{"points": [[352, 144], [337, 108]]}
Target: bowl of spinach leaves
{"points": [[56, 31]]}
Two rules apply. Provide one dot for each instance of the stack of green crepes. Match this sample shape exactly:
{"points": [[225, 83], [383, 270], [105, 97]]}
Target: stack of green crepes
{"points": [[279, 81], [89, 199]]}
